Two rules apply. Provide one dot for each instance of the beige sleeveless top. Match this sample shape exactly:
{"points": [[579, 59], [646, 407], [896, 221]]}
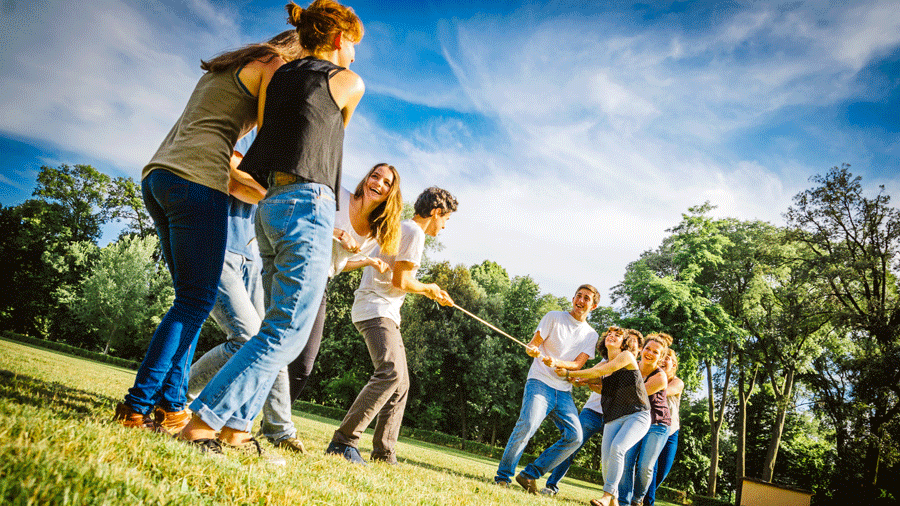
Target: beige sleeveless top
{"points": [[199, 146]]}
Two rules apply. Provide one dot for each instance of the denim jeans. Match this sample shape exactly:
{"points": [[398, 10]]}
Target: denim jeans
{"points": [[619, 436], [538, 402], [294, 224], [191, 222], [591, 423], [662, 467], [639, 462], [239, 311]]}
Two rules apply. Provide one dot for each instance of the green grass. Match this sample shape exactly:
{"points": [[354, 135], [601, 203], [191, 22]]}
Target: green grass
{"points": [[57, 446]]}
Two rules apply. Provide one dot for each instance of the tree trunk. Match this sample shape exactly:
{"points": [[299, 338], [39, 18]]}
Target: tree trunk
{"points": [[741, 429], [782, 401], [715, 422]]}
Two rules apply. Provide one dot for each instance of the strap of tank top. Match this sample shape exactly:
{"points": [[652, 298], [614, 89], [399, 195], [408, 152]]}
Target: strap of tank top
{"points": [[334, 72], [655, 371], [237, 77]]}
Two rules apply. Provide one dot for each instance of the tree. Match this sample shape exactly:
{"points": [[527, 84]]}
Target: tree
{"points": [[125, 202], [125, 294], [672, 289], [81, 192], [853, 242]]}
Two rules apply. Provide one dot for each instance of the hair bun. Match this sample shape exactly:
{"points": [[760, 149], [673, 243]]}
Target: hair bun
{"points": [[295, 13]]}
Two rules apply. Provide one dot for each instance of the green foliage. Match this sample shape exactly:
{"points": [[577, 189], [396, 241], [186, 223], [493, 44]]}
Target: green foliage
{"points": [[126, 293], [701, 500]]}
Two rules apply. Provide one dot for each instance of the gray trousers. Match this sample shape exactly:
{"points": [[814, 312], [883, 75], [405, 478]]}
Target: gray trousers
{"points": [[384, 395]]}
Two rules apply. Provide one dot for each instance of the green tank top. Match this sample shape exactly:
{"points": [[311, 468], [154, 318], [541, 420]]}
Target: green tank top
{"points": [[199, 146]]}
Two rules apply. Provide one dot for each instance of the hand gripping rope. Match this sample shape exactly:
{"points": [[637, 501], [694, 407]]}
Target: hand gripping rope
{"points": [[473, 316]]}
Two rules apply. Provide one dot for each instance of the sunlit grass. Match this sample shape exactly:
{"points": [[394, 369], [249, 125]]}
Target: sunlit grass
{"points": [[57, 446]]}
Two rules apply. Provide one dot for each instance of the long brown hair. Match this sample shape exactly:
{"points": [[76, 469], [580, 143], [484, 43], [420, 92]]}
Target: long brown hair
{"points": [[286, 45], [318, 24], [384, 220]]}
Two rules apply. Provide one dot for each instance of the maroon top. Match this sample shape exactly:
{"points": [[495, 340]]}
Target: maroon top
{"points": [[659, 408]]}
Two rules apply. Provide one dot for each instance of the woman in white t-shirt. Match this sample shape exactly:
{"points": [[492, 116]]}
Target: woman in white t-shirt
{"points": [[366, 218]]}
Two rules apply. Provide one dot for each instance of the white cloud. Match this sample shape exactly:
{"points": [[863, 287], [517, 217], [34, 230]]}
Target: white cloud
{"points": [[103, 78]]}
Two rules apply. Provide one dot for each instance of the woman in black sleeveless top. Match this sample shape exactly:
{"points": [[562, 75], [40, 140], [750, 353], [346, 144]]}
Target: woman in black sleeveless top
{"points": [[298, 151], [626, 409], [641, 457]]}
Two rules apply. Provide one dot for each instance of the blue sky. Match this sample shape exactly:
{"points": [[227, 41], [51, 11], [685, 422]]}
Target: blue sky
{"points": [[573, 135]]}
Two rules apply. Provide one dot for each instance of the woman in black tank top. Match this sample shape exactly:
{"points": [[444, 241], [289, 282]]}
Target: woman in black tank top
{"points": [[298, 152], [641, 457], [626, 409]]}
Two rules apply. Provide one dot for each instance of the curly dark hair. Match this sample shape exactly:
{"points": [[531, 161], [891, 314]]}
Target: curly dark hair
{"points": [[434, 198]]}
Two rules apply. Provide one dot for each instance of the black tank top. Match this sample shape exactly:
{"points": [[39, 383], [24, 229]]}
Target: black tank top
{"points": [[659, 407], [623, 394], [303, 128]]}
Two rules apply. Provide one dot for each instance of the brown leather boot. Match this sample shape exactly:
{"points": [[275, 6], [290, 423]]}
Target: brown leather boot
{"points": [[171, 422], [128, 417]]}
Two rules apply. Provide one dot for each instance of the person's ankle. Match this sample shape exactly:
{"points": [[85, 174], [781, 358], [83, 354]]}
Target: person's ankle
{"points": [[234, 437], [196, 429]]}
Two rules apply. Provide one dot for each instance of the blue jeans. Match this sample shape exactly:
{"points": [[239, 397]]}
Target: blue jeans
{"points": [[663, 466], [294, 224], [639, 462], [538, 402], [191, 222], [619, 436], [239, 311], [591, 423]]}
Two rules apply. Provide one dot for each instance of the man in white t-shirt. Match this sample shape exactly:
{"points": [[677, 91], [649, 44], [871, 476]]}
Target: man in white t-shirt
{"points": [[376, 314], [564, 340]]}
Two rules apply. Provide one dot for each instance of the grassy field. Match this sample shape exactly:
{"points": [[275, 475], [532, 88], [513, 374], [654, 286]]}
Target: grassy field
{"points": [[57, 446]]}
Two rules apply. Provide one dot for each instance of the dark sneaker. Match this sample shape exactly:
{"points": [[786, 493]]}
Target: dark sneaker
{"points": [[348, 452], [128, 417], [211, 446], [291, 444], [548, 491], [171, 422], [390, 460], [529, 484], [253, 449]]}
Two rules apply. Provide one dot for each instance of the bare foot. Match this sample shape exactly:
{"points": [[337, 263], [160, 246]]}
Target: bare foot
{"points": [[606, 500], [233, 437]]}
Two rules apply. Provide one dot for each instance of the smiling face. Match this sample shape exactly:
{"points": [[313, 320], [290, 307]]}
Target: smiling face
{"points": [[582, 304], [614, 337], [652, 351], [377, 186]]}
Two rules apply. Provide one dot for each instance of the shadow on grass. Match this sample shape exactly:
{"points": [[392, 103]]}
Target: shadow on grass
{"points": [[65, 401]]}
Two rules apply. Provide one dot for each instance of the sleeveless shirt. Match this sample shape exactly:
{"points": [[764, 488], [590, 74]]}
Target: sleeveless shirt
{"points": [[303, 128], [623, 394], [674, 402], [659, 408], [198, 147]]}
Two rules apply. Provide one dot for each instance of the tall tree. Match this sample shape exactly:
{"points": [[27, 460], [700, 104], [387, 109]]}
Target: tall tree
{"points": [[854, 240], [125, 202], [81, 191]]}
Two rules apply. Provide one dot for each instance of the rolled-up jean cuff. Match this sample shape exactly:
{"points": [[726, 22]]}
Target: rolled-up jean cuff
{"points": [[216, 423]]}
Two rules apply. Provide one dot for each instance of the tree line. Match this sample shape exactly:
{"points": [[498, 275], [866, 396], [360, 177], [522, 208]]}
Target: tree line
{"points": [[790, 332]]}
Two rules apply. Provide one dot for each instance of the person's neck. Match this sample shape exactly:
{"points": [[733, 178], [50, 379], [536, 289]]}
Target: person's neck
{"points": [[581, 317], [647, 368], [422, 222], [327, 55]]}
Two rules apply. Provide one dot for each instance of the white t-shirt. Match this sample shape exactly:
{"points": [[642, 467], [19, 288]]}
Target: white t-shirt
{"points": [[339, 255], [593, 403], [564, 339], [376, 296]]}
